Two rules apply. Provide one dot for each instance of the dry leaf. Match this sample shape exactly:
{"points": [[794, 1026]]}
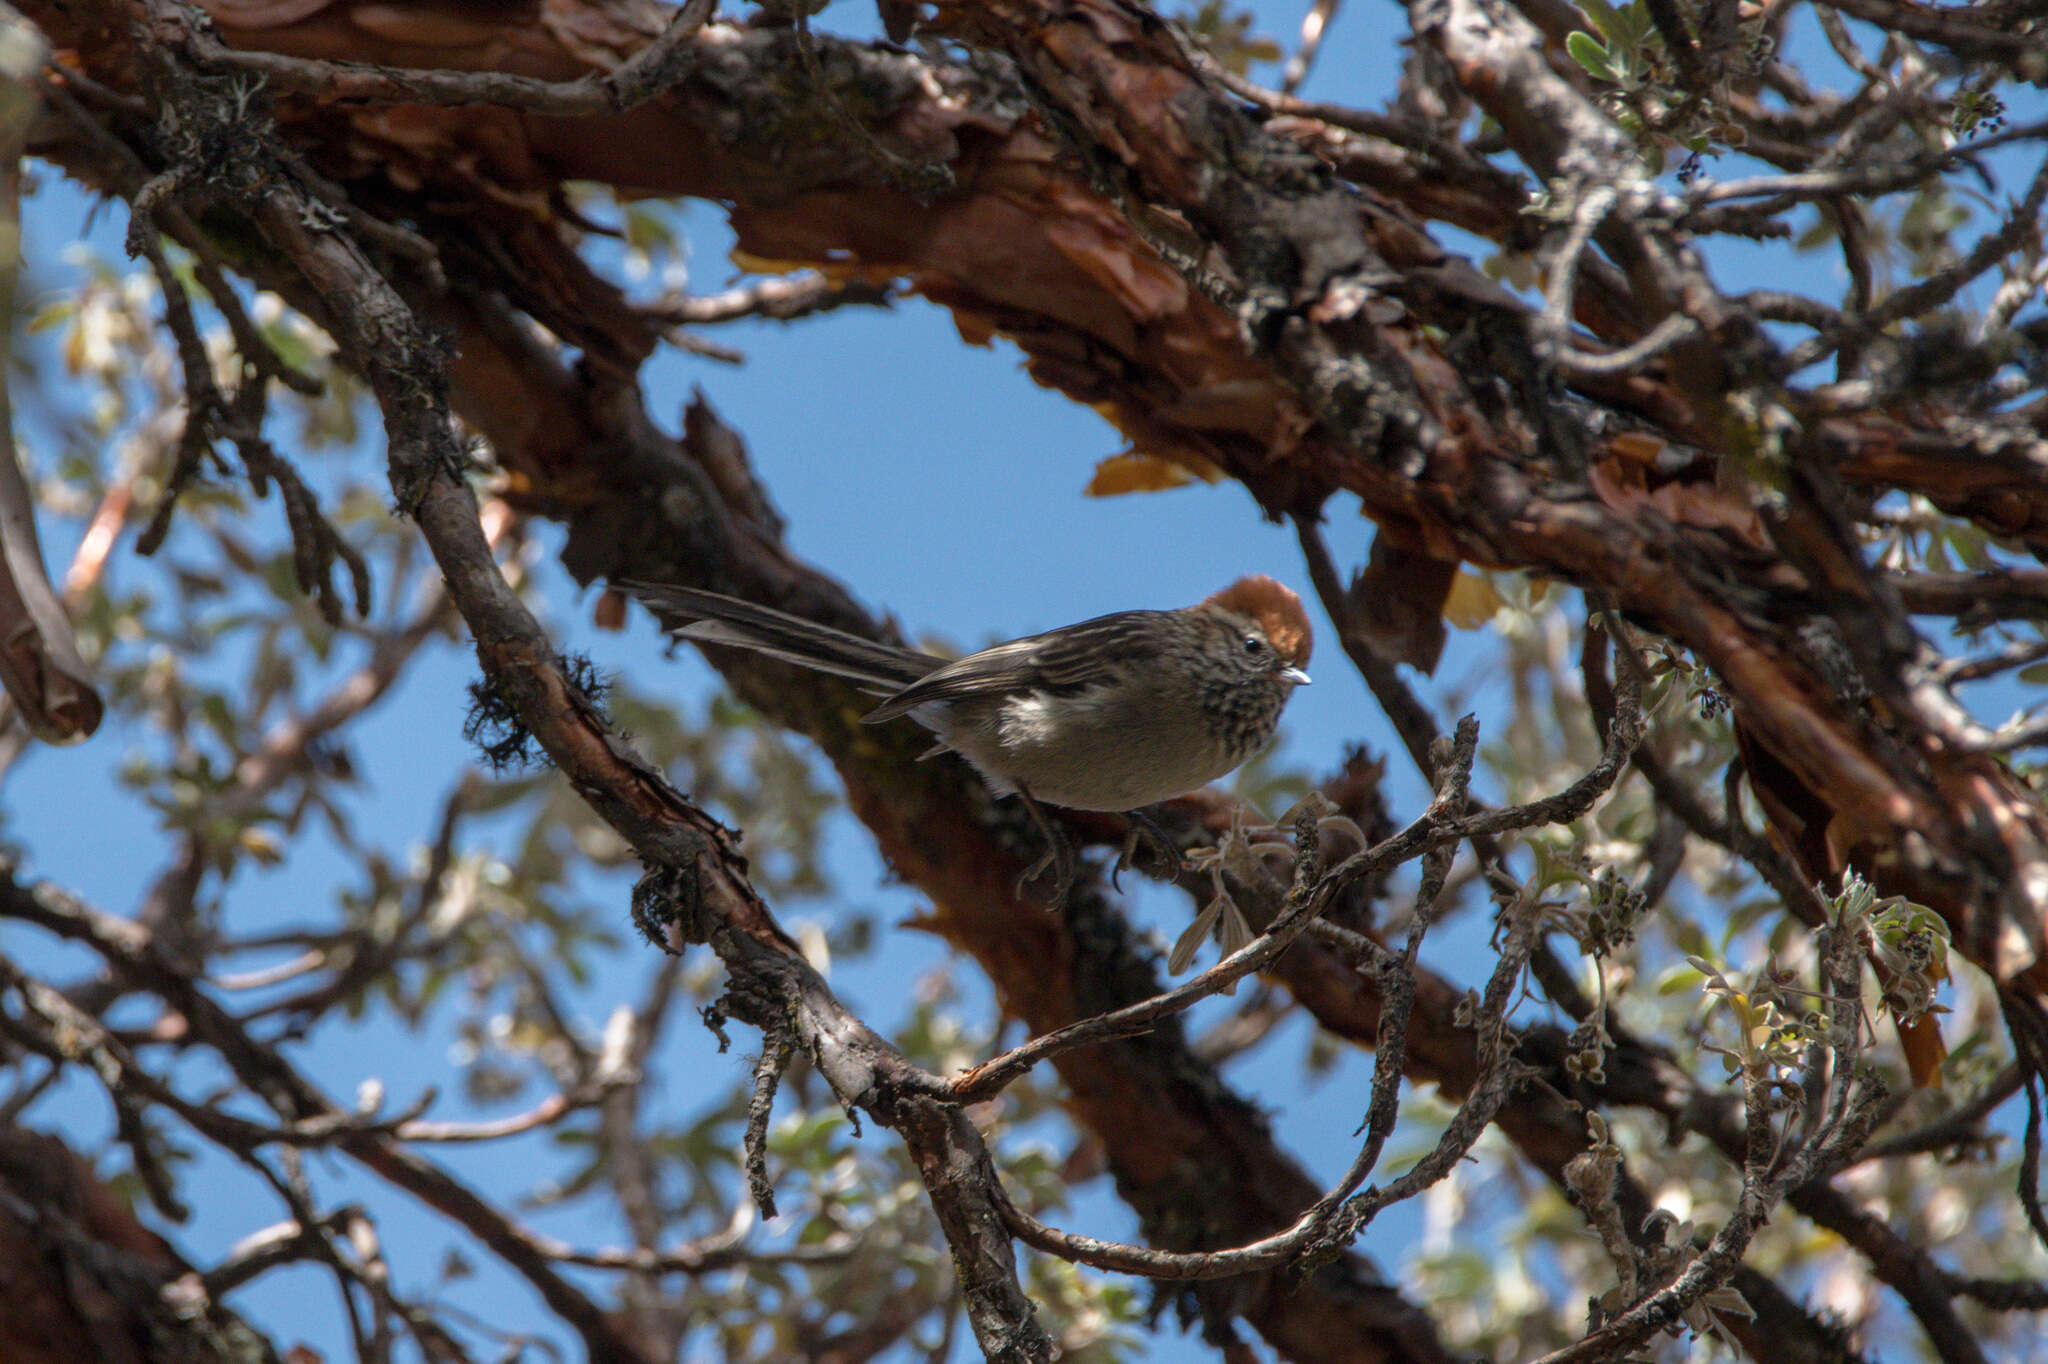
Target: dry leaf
{"points": [[610, 611], [1135, 473], [1472, 602], [1640, 446]]}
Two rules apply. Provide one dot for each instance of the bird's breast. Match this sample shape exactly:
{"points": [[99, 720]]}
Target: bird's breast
{"points": [[1101, 748]]}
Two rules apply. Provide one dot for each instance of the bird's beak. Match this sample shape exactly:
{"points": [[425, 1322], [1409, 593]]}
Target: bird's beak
{"points": [[1295, 676]]}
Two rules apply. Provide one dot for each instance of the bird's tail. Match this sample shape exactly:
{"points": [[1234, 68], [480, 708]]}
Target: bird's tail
{"points": [[712, 618]]}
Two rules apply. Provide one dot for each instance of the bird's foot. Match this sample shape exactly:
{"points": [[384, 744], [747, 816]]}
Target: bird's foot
{"points": [[1059, 857], [1059, 860], [1168, 861]]}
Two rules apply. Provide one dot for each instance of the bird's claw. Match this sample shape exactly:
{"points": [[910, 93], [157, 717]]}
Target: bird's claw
{"points": [[1059, 856], [1057, 859], [1170, 861]]}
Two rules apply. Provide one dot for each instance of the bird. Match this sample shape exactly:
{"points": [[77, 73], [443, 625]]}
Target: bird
{"points": [[1115, 713]]}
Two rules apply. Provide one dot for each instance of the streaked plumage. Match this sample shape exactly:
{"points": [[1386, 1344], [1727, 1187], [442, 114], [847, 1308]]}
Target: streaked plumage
{"points": [[1114, 713]]}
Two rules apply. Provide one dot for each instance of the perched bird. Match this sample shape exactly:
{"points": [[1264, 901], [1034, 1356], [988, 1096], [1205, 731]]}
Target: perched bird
{"points": [[1115, 713]]}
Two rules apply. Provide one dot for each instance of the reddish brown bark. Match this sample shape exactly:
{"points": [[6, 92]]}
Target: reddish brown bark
{"points": [[82, 1279]]}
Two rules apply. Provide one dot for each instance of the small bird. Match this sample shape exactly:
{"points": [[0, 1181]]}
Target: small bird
{"points": [[1115, 713]]}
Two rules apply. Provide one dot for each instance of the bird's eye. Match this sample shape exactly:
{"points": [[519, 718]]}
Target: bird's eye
{"points": [[1254, 646]]}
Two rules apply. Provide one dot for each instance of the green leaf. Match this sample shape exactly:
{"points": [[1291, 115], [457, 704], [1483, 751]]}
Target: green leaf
{"points": [[1587, 51], [1601, 16], [53, 315], [1680, 980], [1632, 28]]}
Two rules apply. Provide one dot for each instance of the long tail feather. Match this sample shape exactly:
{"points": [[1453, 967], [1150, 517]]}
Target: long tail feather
{"points": [[713, 618]]}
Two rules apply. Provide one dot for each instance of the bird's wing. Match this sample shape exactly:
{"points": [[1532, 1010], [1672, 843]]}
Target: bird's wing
{"points": [[1065, 660]]}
